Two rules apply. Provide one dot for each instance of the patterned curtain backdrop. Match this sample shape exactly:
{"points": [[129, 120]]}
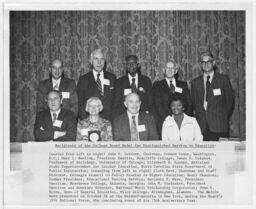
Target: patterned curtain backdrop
{"points": [[38, 37]]}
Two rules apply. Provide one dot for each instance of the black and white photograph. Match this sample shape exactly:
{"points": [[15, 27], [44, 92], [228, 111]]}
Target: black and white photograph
{"points": [[118, 104]]}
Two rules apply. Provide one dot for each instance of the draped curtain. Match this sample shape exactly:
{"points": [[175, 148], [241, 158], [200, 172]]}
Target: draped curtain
{"points": [[38, 37]]}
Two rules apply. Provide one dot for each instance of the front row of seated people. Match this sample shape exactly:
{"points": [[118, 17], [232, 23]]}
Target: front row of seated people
{"points": [[59, 124]]}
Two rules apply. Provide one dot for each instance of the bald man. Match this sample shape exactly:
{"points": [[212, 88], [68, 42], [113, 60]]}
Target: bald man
{"points": [[166, 87], [57, 81], [96, 83], [134, 125]]}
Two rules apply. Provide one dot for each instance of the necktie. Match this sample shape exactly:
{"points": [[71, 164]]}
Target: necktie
{"points": [[56, 86], [133, 86], [134, 131], [208, 84], [54, 117], [99, 84], [172, 88]]}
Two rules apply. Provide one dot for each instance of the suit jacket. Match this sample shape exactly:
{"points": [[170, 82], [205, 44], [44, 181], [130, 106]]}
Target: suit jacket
{"points": [[87, 87], [161, 94], [121, 128], [219, 106], [44, 129], [144, 90], [66, 85]]}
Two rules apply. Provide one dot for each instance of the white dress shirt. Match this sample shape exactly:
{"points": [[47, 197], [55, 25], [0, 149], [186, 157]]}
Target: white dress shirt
{"points": [[57, 114], [56, 83], [205, 79], [95, 74], [173, 82], [189, 130], [136, 79]]}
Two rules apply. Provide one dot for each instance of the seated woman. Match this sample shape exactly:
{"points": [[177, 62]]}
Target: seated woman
{"points": [[179, 126], [94, 128]]}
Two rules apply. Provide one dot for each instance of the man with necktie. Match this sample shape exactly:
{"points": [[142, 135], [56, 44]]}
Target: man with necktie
{"points": [[134, 125], [133, 82], [163, 89], [213, 100], [96, 83], [55, 123], [57, 81]]}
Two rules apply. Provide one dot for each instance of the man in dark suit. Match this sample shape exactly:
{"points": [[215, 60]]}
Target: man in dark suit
{"points": [[213, 100], [133, 82], [166, 87], [55, 123], [57, 81], [96, 83], [134, 125]]}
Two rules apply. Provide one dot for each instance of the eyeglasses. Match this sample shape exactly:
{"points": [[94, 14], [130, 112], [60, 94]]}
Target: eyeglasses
{"points": [[206, 62]]}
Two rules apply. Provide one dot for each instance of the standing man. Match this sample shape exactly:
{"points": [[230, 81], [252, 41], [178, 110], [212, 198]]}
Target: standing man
{"points": [[134, 125], [55, 123], [57, 81], [133, 82], [166, 87], [213, 100], [96, 83]]}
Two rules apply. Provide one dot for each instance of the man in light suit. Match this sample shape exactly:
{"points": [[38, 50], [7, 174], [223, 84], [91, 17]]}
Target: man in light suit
{"points": [[57, 81], [134, 125], [96, 83], [55, 123], [166, 87], [133, 81], [213, 100]]}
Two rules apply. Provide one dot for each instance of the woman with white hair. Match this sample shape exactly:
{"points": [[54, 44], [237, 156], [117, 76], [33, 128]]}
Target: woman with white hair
{"points": [[94, 128]]}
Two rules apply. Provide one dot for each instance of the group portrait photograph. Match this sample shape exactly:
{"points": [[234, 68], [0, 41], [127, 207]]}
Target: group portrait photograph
{"points": [[127, 75]]}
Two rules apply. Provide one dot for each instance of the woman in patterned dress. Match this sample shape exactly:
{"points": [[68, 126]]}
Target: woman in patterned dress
{"points": [[94, 128]]}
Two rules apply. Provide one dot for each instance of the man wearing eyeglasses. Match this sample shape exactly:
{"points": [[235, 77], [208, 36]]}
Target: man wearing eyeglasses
{"points": [[213, 100]]}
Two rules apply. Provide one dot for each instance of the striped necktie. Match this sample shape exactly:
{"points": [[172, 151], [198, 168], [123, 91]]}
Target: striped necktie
{"points": [[54, 117], [134, 130], [99, 84]]}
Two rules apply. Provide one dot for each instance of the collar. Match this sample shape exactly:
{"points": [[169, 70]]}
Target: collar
{"points": [[130, 79], [56, 81], [95, 74], [170, 120], [209, 74], [173, 81], [130, 116], [57, 112]]}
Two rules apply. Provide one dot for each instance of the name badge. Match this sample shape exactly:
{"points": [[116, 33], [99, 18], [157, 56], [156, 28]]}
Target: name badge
{"points": [[178, 89], [57, 123], [127, 91], [84, 132], [65, 95], [216, 92], [141, 128], [106, 82]]}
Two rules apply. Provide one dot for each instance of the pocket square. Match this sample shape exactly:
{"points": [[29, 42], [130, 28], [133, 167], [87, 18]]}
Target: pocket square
{"points": [[42, 128]]}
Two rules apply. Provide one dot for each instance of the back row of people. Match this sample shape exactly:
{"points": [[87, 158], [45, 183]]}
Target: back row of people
{"points": [[211, 98]]}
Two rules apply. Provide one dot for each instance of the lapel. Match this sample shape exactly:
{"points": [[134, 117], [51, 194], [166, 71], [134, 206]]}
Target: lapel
{"points": [[141, 121], [165, 86], [127, 84], [48, 120], [126, 123], [214, 84], [201, 89], [106, 87], [62, 84]]}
